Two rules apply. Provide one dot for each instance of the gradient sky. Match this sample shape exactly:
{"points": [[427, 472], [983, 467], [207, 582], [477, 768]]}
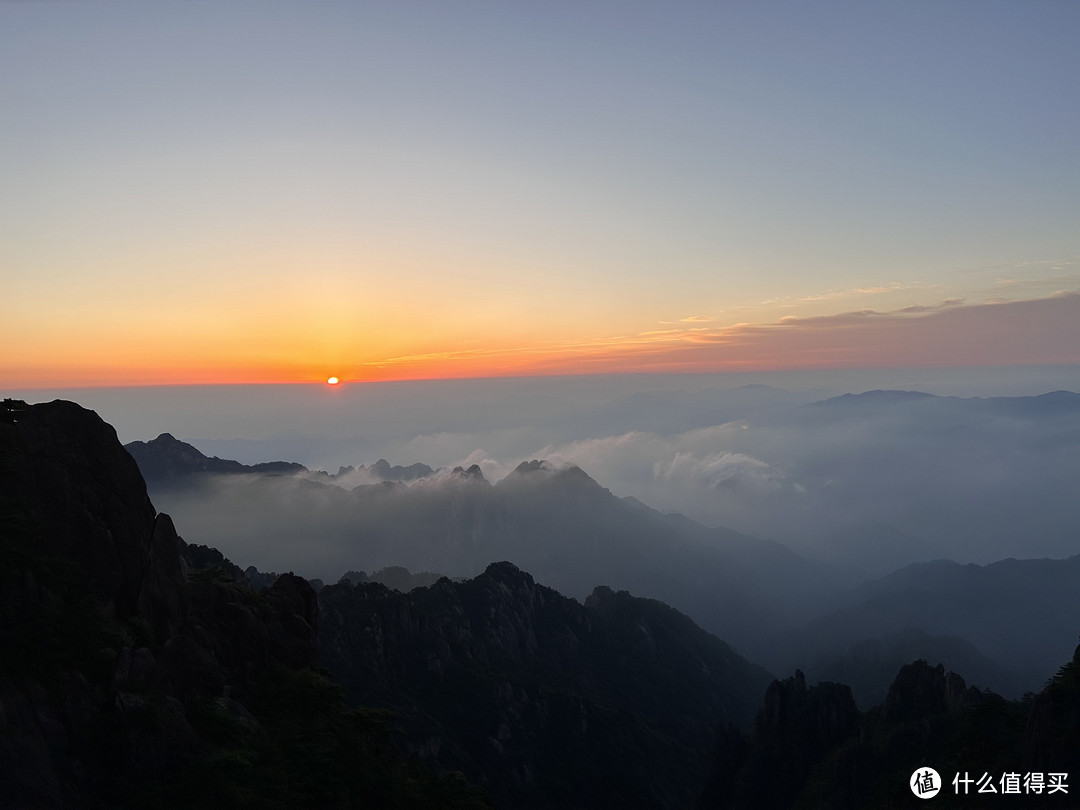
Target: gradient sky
{"points": [[268, 192]]}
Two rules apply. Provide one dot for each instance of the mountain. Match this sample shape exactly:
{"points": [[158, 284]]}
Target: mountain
{"points": [[1003, 624], [810, 747], [542, 701], [868, 666], [142, 670], [394, 577], [553, 521], [869, 549], [1019, 614], [137, 671], [166, 458], [1052, 404]]}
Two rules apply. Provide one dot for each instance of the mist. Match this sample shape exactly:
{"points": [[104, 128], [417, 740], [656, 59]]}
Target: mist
{"points": [[873, 481]]}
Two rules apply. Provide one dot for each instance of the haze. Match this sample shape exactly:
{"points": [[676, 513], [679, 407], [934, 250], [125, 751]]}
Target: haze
{"points": [[955, 476]]}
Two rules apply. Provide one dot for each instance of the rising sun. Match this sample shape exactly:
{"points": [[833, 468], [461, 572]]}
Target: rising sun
{"points": [[331, 380]]}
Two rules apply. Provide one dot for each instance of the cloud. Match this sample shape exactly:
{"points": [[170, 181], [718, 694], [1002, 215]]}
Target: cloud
{"points": [[1041, 331], [724, 470], [950, 332], [974, 480]]}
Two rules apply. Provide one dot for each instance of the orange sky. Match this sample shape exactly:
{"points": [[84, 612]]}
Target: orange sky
{"points": [[197, 193], [1041, 331]]}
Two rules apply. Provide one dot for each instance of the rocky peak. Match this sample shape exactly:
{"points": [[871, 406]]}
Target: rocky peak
{"points": [[818, 717], [65, 469], [473, 474], [566, 481], [167, 457], [536, 465], [921, 690], [602, 595], [382, 470]]}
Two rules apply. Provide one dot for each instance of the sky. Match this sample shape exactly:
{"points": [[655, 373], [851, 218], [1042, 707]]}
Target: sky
{"points": [[278, 192]]}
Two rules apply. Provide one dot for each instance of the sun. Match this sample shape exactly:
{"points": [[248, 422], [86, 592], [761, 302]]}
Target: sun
{"points": [[332, 381]]}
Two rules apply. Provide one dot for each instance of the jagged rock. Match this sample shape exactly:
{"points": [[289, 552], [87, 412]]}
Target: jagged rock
{"points": [[536, 697], [921, 690], [796, 726], [810, 750], [473, 474]]}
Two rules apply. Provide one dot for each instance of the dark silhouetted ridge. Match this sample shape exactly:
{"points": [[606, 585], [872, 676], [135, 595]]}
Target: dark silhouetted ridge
{"points": [[166, 458], [540, 700], [138, 671]]}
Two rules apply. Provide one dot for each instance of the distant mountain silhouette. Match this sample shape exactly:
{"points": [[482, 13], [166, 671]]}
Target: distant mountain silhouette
{"points": [[166, 457], [394, 577], [1017, 613], [1054, 402], [869, 666], [869, 549], [874, 399]]}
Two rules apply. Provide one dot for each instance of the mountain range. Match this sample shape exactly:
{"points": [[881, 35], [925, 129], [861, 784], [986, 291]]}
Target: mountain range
{"points": [[1004, 624], [145, 670], [553, 521]]}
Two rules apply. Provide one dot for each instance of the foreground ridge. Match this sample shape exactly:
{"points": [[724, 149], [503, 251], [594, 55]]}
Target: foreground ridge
{"points": [[134, 676]]}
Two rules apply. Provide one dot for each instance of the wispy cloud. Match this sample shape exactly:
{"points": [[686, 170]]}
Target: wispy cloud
{"points": [[850, 292], [950, 332]]}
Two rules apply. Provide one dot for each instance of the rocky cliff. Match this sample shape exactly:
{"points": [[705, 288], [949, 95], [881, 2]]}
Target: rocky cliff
{"points": [[134, 675]]}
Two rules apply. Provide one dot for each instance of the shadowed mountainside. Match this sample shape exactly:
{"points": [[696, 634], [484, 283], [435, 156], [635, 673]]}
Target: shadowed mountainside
{"points": [[540, 700], [1015, 613], [811, 748], [131, 676]]}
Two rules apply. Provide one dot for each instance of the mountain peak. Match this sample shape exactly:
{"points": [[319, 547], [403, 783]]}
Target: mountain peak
{"points": [[501, 569], [536, 465], [545, 466], [167, 457], [382, 469], [472, 474]]}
